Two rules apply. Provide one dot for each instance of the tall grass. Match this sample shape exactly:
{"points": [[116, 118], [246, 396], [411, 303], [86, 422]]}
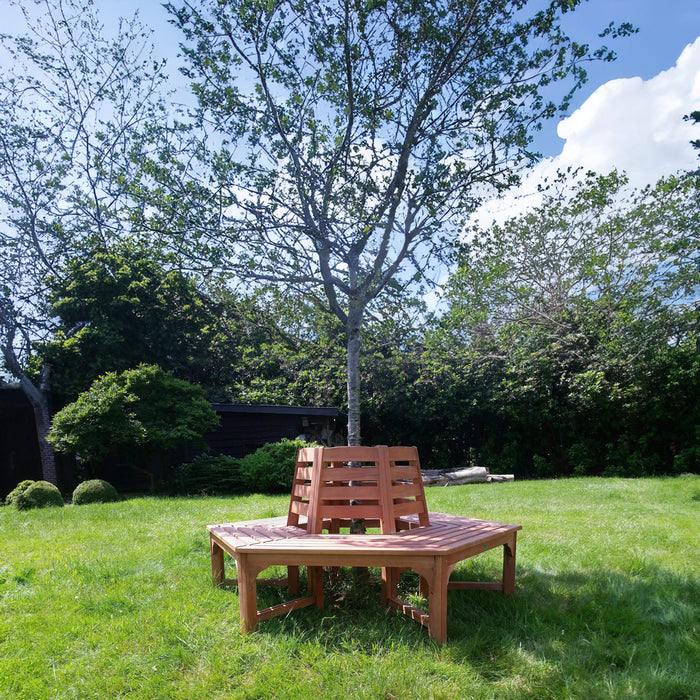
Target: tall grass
{"points": [[115, 601]]}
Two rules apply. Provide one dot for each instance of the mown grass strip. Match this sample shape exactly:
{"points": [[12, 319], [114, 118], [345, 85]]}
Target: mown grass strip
{"points": [[115, 601]]}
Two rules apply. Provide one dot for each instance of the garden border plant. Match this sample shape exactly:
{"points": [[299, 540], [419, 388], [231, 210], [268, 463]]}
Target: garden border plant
{"points": [[17, 491], [208, 474], [38, 494], [270, 469], [94, 491]]}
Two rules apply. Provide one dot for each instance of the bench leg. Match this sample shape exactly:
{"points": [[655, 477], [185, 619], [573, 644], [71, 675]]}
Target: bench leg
{"points": [[247, 594], [315, 576], [437, 601], [334, 571], [509, 567], [390, 581], [217, 563], [293, 580]]}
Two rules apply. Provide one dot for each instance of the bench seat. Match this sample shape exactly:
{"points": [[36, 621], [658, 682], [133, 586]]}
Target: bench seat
{"points": [[432, 551]]}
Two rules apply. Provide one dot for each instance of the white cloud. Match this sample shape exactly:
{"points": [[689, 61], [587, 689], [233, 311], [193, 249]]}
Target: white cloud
{"points": [[630, 124]]}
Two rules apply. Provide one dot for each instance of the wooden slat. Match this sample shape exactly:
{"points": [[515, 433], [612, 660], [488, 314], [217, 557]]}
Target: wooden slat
{"points": [[451, 536], [350, 474], [257, 533], [404, 490], [387, 514], [406, 472], [345, 522], [345, 493], [286, 532], [359, 511], [240, 538], [304, 473], [279, 520], [305, 454], [302, 491], [299, 507], [414, 613], [314, 521], [408, 508], [350, 454], [283, 608]]}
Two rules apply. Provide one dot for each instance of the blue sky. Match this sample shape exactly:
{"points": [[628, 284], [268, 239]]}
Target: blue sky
{"points": [[666, 27], [629, 114]]}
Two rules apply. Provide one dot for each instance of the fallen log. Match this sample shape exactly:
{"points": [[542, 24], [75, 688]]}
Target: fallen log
{"points": [[470, 475]]}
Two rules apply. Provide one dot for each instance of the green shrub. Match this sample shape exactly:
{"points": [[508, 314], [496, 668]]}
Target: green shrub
{"points": [[270, 468], [542, 468], [94, 491], [686, 461], [18, 490], [38, 495], [582, 458], [209, 474], [146, 407]]}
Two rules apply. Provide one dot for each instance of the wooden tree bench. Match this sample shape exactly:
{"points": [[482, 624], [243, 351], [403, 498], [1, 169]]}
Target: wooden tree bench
{"points": [[383, 486]]}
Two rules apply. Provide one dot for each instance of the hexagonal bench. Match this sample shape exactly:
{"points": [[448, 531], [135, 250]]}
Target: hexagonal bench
{"points": [[383, 487]]}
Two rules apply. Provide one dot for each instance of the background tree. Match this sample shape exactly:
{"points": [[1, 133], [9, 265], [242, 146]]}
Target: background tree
{"points": [[127, 304], [293, 352], [585, 310], [352, 135], [73, 105], [144, 407]]}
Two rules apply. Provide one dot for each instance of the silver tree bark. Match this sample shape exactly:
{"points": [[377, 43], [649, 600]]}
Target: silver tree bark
{"points": [[42, 412], [354, 346]]}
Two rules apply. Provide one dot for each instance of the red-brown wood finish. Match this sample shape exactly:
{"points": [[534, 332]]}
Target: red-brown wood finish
{"points": [[383, 485]]}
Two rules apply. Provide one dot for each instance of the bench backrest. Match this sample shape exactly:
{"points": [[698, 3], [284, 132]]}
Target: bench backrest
{"points": [[380, 485]]}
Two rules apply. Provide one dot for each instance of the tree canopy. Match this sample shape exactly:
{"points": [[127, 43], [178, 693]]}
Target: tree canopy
{"points": [[582, 314], [125, 305], [350, 136]]}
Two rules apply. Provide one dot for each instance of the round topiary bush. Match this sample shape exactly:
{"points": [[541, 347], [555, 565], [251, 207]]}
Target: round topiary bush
{"points": [[94, 491], [39, 495], [270, 468], [18, 490]]}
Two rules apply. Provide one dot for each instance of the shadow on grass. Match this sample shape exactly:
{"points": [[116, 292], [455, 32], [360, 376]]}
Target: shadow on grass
{"points": [[604, 630]]}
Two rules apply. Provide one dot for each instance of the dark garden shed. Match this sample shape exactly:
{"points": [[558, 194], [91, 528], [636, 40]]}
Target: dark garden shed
{"points": [[243, 428], [19, 450]]}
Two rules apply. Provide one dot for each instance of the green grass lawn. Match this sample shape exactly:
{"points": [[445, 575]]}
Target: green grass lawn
{"points": [[115, 601]]}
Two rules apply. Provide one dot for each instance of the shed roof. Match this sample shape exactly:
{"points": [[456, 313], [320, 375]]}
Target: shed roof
{"points": [[279, 410]]}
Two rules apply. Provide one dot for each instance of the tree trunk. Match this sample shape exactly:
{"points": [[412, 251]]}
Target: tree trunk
{"points": [[38, 397], [42, 419], [354, 342]]}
